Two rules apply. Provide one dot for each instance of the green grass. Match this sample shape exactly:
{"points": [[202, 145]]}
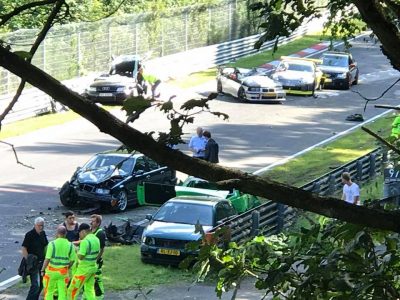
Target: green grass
{"points": [[322, 160], [251, 61], [124, 270]]}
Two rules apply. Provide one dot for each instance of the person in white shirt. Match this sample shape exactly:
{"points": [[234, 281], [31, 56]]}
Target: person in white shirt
{"points": [[351, 190], [197, 143]]}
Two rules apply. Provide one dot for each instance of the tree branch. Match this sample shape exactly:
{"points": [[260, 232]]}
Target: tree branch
{"points": [[5, 18], [389, 145], [16, 156], [248, 183], [39, 39]]}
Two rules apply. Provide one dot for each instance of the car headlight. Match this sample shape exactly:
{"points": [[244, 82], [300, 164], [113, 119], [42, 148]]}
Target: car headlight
{"points": [[148, 241], [102, 191], [342, 75], [92, 89], [254, 89]]}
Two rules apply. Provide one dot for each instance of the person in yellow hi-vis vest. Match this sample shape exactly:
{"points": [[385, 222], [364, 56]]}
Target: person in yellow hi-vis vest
{"points": [[396, 128], [60, 256], [89, 249]]}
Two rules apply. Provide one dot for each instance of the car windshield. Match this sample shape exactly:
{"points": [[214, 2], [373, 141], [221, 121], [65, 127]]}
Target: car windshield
{"points": [[335, 61], [125, 66], [186, 213], [299, 67], [100, 160]]}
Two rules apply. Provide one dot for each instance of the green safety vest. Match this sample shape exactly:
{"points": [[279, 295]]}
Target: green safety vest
{"points": [[60, 253], [396, 127], [89, 248]]}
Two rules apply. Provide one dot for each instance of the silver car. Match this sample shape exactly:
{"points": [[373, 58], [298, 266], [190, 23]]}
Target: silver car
{"points": [[249, 85]]}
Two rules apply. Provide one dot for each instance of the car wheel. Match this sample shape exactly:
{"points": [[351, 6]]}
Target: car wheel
{"points": [[122, 201], [67, 195], [355, 82], [242, 95], [219, 87]]}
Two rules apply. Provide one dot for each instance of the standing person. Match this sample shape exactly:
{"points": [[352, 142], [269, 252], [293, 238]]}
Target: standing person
{"points": [[351, 190], [60, 256], [71, 226], [89, 249], [197, 143], [95, 223], [154, 82], [34, 243], [211, 149]]}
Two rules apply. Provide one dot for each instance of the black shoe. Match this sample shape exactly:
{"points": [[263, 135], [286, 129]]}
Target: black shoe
{"points": [[355, 118]]}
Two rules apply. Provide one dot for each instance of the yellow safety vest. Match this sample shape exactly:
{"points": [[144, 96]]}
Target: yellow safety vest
{"points": [[60, 251]]}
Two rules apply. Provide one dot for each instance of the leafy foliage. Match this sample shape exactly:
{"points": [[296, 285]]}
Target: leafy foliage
{"points": [[322, 259]]}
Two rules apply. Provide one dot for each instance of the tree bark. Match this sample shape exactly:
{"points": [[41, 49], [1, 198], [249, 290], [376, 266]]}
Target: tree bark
{"points": [[245, 182]]}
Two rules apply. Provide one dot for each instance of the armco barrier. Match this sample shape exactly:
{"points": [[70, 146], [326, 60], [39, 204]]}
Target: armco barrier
{"points": [[34, 102], [271, 217]]}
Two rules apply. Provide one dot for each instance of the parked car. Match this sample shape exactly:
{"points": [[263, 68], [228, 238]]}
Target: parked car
{"points": [[173, 226], [339, 70], [110, 180], [118, 84], [249, 85], [299, 76]]}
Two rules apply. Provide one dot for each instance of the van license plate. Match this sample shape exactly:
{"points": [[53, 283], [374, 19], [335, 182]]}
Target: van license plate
{"points": [[169, 252], [105, 94]]}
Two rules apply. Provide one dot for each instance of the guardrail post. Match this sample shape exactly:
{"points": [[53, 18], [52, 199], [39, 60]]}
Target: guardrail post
{"points": [[316, 187], [359, 167], [281, 217], [255, 223], [332, 184], [372, 165]]}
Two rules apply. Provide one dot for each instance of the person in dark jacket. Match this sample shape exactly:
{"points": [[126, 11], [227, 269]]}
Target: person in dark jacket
{"points": [[72, 226], [211, 149], [35, 243]]}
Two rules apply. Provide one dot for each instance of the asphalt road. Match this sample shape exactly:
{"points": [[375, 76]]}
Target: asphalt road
{"points": [[255, 136]]}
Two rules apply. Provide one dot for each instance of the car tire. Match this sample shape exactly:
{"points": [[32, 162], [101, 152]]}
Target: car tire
{"points": [[122, 198], [219, 87], [242, 95], [355, 82], [67, 195]]}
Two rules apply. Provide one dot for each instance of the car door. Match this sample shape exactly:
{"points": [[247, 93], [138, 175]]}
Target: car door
{"points": [[154, 172], [226, 80], [138, 176]]}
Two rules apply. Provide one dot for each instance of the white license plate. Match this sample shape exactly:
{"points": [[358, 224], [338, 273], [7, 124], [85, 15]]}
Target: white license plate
{"points": [[269, 94], [105, 94]]}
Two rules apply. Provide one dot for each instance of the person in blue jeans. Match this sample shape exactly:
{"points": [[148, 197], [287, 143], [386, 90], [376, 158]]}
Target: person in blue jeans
{"points": [[35, 243]]}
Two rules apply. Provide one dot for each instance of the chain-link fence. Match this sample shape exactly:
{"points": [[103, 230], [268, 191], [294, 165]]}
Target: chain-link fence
{"points": [[75, 50]]}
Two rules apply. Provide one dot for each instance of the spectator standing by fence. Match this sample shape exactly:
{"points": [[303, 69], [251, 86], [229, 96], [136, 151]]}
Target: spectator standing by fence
{"points": [[211, 148], [351, 190]]}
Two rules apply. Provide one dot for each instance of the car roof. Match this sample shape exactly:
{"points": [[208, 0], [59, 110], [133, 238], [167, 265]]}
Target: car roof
{"points": [[298, 62], [120, 154], [202, 200], [337, 53]]}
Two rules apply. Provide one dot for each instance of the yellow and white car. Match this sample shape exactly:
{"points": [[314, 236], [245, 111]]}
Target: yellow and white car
{"points": [[299, 76]]}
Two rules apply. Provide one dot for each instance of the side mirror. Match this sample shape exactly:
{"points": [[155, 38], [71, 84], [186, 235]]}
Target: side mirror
{"points": [[139, 172], [149, 217]]}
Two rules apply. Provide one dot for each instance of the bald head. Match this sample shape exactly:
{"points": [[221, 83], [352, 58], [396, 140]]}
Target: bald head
{"points": [[199, 131], [61, 231]]}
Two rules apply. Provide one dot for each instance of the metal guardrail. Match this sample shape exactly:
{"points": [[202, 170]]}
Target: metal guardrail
{"points": [[271, 217], [34, 102]]}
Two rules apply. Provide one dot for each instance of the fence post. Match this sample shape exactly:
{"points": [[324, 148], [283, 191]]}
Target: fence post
{"points": [[316, 188], [44, 55], [229, 21], [79, 55], [162, 39], [359, 167], [186, 30], [281, 217], [136, 38], [372, 165], [109, 42], [332, 184], [255, 223]]}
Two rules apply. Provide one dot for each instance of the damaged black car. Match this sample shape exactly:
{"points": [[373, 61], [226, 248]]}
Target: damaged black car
{"points": [[109, 180]]}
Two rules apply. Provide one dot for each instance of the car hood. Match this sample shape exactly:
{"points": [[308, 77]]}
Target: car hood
{"points": [[114, 80], [96, 175], [259, 81], [293, 75], [331, 69], [174, 231]]}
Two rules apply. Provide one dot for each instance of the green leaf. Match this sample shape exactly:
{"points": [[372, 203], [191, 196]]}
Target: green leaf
{"points": [[167, 106], [220, 114], [135, 104]]}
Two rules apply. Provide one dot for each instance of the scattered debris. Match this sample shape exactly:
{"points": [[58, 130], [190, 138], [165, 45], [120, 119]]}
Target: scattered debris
{"points": [[127, 233]]}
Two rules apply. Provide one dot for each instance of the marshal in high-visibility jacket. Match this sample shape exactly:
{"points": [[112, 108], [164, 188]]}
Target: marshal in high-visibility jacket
{"points": [[60, 255], [396, 128], [84, 275]]}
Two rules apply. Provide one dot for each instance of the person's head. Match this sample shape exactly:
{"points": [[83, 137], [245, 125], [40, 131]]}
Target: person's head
{"points": [[207, 134], [69, 217], [346, 178], [199, 131], [95, 221], [84, 230], [61, 231], [140, 70], [39, 224]]}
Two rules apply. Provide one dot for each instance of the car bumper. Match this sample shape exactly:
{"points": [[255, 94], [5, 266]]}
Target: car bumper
{"points": [[267, 96], [335, 83], [93, 198], [306, 89], [151, 254], [109, 98]]}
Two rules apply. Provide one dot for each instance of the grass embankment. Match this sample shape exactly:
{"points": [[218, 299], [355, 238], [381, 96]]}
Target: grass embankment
{"points": [[251, 61], [124, 270]]}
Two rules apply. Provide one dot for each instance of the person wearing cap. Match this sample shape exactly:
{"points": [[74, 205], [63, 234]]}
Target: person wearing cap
{"points": [[89, 249], [72, 226], [60, 256], [95, 223]]}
